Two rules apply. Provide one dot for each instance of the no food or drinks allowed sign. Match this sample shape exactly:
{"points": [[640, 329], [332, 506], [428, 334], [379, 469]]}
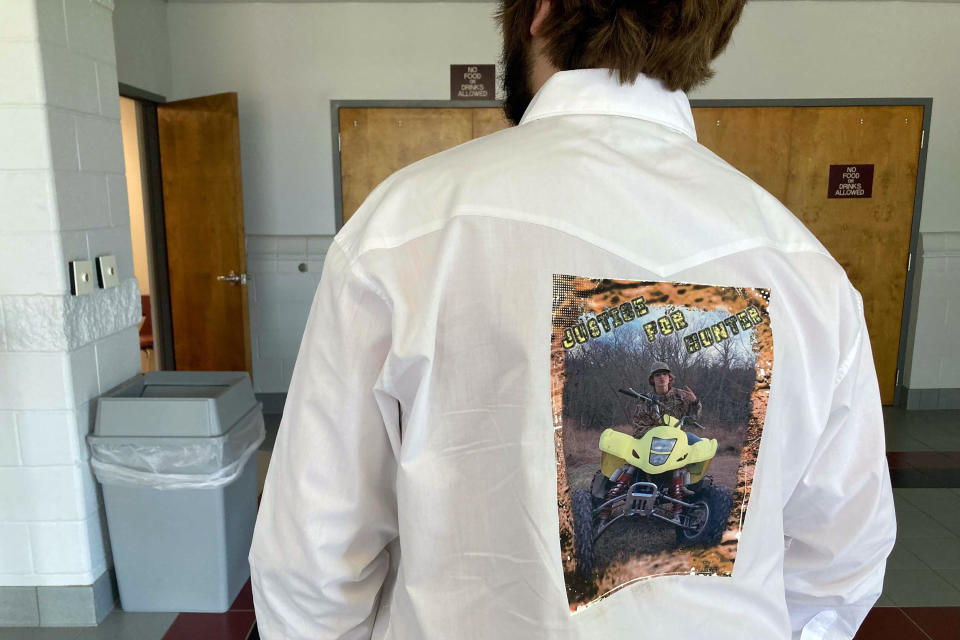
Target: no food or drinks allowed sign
{"points": [[472, 82], [850, 181]]}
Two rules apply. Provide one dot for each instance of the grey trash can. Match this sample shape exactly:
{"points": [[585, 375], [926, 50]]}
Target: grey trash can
{"points": [[174, 451]]}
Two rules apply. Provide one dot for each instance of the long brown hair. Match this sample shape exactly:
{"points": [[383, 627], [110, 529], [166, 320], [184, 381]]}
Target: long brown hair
{"points": [[671, 40]]}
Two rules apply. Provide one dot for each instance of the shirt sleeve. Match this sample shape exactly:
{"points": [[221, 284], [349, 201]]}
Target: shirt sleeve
{"points": [[328, 510], [839, 523]]}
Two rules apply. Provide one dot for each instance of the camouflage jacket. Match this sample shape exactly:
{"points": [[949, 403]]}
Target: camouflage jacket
{"points": [[672, 403]]}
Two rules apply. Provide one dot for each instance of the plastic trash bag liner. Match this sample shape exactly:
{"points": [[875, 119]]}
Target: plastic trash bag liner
{"points": [[160, 462]]}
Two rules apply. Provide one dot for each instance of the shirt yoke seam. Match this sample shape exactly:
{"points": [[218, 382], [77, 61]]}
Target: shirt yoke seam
{"points": [[487, 211], [356, 272]]}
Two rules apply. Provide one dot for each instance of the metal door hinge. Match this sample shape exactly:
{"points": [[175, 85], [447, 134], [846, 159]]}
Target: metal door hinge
{"points": [[340, 148], [909, 261], [923, 134]]}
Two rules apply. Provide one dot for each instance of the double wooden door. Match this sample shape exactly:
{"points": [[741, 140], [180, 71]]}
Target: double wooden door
{"points": [[788, 150]]}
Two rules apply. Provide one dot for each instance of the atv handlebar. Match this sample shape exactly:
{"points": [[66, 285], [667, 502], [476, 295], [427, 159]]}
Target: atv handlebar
{"points": [[639, 396], [633, 394]]}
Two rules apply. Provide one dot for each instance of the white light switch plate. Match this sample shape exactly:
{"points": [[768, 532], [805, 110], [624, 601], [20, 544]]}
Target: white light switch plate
{"points": [[107, 271], [81, 277]]}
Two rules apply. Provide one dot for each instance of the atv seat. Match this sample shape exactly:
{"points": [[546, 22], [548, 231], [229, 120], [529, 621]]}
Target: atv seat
{"points": [[692, 439]]}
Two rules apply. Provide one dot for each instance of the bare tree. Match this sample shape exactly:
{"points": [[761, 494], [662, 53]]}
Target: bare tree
{"points": [[722, 375]]}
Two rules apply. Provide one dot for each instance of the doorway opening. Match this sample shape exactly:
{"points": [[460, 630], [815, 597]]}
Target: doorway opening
{"points": [[138, 122], [131, 123]]}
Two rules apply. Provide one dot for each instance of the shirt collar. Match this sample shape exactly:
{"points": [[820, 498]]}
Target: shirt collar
{"points": [[597, 91]]}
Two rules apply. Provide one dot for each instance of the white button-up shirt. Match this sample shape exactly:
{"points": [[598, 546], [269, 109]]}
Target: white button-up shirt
{"points": [[413, 491]]}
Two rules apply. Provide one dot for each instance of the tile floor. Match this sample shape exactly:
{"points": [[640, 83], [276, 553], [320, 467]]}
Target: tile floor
{"points": [[921, 592]]}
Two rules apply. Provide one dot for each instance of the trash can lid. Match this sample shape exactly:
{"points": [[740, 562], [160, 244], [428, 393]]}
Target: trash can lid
{"points": [[175, 403]]}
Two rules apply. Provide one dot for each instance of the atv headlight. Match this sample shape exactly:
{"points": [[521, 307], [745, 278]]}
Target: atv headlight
{"points": [[660, 449], [657, 459], [663, 445]]}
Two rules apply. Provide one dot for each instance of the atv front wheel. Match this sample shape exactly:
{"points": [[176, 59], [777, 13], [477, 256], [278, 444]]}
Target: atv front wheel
{"points": [[708, 517], [583, 530]]}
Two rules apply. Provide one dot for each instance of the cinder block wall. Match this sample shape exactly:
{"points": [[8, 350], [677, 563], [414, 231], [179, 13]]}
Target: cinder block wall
{"points": [[64, 198], [934, 369], [284, 274]]}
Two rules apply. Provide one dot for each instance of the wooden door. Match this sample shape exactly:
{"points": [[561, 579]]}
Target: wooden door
{"points": [[375, 142], [787, 150], [203, 212]]}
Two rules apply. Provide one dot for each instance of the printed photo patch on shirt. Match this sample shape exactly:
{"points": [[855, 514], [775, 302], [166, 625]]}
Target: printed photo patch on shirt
{"points": [[659, 393]]}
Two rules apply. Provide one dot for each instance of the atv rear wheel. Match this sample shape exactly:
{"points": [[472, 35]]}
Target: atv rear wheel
{"points": [[712, 506], [583, 530]]}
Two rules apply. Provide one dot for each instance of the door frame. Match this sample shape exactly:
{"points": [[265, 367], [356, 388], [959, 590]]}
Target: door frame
{"points": [[908, 319], [153, 188]]}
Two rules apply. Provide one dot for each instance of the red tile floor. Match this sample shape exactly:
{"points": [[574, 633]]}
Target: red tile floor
{"points": [[883, 623], [911, 623], [236, 624]]}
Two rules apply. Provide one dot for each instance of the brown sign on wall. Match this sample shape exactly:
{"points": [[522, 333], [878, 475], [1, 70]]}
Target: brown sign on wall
{"points": [[850, 181], [472, 82]]}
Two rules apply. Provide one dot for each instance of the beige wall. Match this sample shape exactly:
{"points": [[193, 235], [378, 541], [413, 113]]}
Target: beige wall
{"points": [[287, 61], [130, 125], [143, 45]]}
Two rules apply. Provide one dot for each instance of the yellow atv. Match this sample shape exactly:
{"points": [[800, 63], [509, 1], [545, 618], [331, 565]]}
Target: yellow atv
{"points": [[661, 475]]}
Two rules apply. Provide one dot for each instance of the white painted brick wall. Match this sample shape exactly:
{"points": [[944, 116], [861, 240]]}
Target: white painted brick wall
{"points": [[25, 136], [115, 241], [63, 140], [67, 552], [83, 374], [22, 73], [90, 30], [90, 318], [33, 264], [30, 194], [74, 245], [47, 438], [280, 299], [108, 90], [19, 22], [55, 546], [118, 358], [84, 417], [100, 144], [61, 172], [82, 200], [936, 355], [34, 323], [9, 442], [65, 322], [34, 382], [13, 560], [39, 494], [118, 201], [52, 21], [70, 80], [292, 247], [92, 497]]}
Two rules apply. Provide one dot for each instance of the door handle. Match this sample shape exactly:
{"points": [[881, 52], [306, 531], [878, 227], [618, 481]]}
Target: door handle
{"points": [[234, 278]]}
